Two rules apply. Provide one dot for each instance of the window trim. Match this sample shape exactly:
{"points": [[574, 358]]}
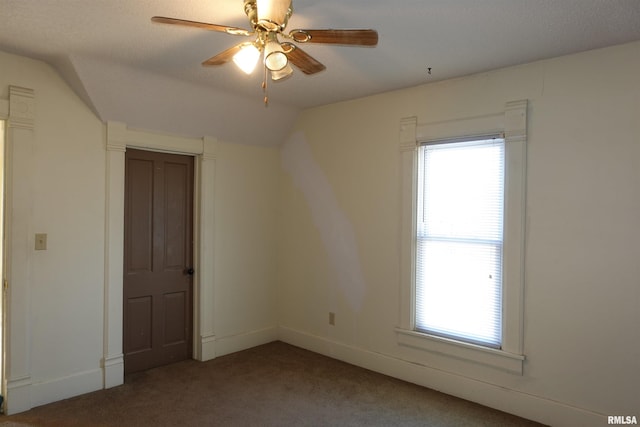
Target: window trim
{"points": [[512, 122]]}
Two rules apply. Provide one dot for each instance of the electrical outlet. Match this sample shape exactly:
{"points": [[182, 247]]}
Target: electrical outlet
{"points": [[332, 319]]}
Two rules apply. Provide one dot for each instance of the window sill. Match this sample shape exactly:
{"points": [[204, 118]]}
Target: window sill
{"points": [[500, 359]]}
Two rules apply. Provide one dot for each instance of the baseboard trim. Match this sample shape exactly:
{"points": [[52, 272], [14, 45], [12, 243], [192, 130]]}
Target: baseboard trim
{"points": [[66, 387], [233, 343], [113, 367], [18, 398], [207, 347], [524, 405]]}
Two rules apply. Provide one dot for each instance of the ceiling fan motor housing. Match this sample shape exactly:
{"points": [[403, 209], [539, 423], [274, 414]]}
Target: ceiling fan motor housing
{"points": [[268, 15]]}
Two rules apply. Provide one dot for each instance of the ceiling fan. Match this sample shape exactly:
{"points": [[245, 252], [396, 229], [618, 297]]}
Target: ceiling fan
{"points": [[269, 19]]}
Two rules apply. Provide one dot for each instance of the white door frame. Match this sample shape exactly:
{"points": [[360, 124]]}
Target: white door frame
{"points": [[19, 111], [119, 138]]}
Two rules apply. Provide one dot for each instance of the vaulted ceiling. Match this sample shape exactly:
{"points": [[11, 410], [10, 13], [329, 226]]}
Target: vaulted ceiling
{"points": [[149, 75]]}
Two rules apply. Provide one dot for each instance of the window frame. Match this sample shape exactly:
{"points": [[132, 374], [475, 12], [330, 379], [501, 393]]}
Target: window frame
{"points": [[512, 123]]}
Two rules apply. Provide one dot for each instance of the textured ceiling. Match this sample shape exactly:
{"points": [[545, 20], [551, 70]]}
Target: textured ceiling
{"points": [[149, 75]]}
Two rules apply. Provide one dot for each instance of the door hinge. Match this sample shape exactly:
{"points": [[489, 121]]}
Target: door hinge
{"points": [[5, 284]]}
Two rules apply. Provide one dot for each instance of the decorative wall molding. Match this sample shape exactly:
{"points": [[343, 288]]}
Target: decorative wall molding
{"points": [[408, 140], [18, 397], [116, 137], [112, 361], [408, 145], [22, 107], [233, 343], [486, 124], [515, 120], [204, 253], [112, 370], [66, 387], [487, 357], [20, 141], [515, 130], [207, 347], [4, 109], [512, 123], [209, 148]]}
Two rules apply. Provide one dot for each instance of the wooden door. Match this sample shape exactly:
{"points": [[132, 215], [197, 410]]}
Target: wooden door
{"points": [[158, 252]]}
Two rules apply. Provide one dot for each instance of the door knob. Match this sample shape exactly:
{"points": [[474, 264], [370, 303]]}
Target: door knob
{"points": [[190, 271]]}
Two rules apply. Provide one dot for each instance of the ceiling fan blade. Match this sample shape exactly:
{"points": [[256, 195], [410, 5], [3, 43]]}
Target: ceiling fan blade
{"points": [[302, 60], [211, 27], [224, 56], [347, 37]]}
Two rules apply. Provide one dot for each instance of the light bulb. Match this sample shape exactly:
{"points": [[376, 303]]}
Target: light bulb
{"points": [[247, 57]]}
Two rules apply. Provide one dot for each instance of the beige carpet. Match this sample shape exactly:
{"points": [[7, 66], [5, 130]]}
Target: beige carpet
{"points": [[271, 385]]}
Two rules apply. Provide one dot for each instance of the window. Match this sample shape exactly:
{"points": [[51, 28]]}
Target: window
{"points": [[459, 240], [462, 239]]}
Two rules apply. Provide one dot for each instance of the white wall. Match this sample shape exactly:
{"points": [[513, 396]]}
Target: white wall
{"points": [[55, 337], [582, 280], [62, 286], [245, 309]]}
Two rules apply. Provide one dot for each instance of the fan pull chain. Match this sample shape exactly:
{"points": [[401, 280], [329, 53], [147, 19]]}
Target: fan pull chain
{"points": [[265, 88]]}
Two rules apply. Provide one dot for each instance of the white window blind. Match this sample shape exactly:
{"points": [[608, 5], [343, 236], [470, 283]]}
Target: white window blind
{"points": [[460, 240]]}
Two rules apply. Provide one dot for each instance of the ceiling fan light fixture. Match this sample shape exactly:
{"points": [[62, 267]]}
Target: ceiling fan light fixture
{"points": [[247, 57], [273, 15], [274, 57], [268, 19], [282, 74]]}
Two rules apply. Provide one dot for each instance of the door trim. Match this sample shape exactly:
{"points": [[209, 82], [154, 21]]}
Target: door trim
{"points": [[119, 138], [19, 112]]}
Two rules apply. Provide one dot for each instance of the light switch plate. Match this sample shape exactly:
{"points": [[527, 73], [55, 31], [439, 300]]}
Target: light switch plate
{"points": [[41, 241]]}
